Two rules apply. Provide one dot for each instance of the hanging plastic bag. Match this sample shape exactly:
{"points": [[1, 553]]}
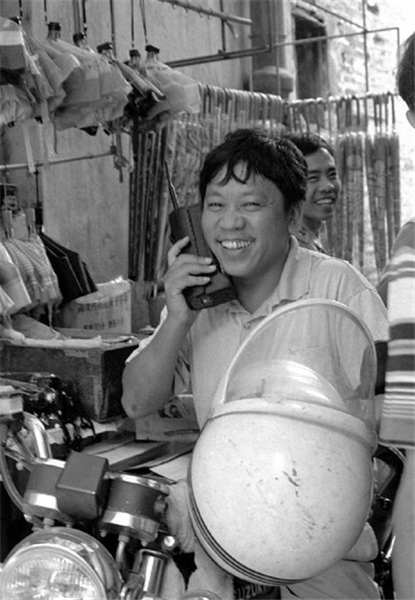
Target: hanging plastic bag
{"points": [[11, 281], [181, 91], [12, 46]]}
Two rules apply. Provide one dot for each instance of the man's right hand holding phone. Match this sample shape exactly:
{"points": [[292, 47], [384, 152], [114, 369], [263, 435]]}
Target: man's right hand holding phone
{"points": [[185, 270]]}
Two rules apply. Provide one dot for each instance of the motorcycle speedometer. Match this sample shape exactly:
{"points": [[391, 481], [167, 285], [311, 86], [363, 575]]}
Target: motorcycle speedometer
{"points": [[60, 564]]}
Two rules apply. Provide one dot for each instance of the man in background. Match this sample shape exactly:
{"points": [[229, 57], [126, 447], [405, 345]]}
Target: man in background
{"points": [[322, 192]]}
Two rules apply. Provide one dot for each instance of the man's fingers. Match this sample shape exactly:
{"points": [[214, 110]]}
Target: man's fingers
{"points": [[176, 249]]}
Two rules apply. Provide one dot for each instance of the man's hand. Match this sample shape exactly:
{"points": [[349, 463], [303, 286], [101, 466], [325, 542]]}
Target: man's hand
{"points": [[185, 270]]}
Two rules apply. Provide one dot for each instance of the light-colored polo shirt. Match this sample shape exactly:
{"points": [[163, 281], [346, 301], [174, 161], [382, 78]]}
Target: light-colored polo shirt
{"points": [[217, 332]]}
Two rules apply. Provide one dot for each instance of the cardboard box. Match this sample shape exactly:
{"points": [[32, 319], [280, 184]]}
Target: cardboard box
{"points": [[95, 372]]}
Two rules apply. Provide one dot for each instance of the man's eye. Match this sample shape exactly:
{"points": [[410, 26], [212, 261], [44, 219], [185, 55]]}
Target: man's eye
{"points": [[214, 205], [252, 205], [312, 179], [333, 175]]}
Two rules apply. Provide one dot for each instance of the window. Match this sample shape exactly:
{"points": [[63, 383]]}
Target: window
{"points": [[311, 58]]}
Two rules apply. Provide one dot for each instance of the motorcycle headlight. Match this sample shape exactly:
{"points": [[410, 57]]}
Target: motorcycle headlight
{"points": [[60, 564]]}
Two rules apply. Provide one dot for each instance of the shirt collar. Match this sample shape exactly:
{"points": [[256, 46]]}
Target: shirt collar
{"points": [[294, 283]]}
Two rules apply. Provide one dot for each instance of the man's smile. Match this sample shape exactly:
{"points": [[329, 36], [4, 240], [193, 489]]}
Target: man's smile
{"points": [[233, 244], [325, 201]]}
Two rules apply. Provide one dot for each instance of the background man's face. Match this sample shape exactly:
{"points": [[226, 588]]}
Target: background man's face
{"points": [[323, 186]]}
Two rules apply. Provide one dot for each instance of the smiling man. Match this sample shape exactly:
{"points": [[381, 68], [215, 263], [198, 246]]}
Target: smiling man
{"points": [[322, 192], [252, 189]]}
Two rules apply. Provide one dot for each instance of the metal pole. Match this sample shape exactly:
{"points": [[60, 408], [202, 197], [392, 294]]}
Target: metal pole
{"points": [[196, 60], [320, 38], [222, 28], [333, 14], [365, 52], [208, 11], [58, 161]]}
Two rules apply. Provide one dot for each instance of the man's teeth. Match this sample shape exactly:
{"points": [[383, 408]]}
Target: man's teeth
{"points": [[234, 244], [325, 201]]}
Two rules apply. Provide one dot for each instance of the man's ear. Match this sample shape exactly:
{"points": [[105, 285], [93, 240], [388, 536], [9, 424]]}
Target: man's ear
{"points": [[295, 217], [410, 115]]}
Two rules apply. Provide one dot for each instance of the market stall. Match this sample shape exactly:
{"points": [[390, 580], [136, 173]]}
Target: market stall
{"points": [[65, 336]]}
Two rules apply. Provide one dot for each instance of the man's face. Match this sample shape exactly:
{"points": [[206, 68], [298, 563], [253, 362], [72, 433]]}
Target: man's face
{"points": [[245, 225], [323, 186]]}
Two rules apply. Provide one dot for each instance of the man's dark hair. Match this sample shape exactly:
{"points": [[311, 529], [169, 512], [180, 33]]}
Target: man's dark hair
{"points": [[405, 77], [308, 143], [276, 159]]}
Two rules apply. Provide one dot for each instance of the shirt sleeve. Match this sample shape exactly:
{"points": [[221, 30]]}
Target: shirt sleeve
{"points": [[369, 306], [398, 412], [182, 376]]}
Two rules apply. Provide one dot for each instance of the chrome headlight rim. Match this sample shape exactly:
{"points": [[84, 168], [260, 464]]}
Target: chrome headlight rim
{"points": [[91, 558]]}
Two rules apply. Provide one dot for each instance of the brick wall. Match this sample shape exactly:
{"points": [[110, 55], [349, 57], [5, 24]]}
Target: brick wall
{"points": [[347, 63]]}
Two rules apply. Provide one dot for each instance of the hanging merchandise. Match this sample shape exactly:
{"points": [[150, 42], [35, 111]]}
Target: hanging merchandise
{"points": [[345, 231], [72, 273], [180, 90], [52, 79], [14, 292], [28, 257], [11, 281], [12, 46], [382, 168], [95, 90], [353, 125]]}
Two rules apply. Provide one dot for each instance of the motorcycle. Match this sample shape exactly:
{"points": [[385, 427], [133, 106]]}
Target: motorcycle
{"points": [[100, 534]]}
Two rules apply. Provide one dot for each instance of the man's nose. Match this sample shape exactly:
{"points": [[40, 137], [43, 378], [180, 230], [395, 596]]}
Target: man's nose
{"points": [[328, 184], [232, 219]]}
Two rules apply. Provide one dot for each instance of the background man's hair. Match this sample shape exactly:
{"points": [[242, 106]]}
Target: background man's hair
{"points": [[276, 159], [406, 73], [308, 143]]}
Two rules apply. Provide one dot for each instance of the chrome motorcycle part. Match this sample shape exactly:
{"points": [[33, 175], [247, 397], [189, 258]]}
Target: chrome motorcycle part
{"points": [[40, 437], [81, 490], [60, 564], [135, 506], [39, 499], [289, 445], [152, 565]]}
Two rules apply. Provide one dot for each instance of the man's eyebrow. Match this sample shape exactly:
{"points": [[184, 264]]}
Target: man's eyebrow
{"points": [[317, 171]]}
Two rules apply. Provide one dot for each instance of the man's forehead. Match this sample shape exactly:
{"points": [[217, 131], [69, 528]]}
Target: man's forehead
{"points": [[320, 159]]}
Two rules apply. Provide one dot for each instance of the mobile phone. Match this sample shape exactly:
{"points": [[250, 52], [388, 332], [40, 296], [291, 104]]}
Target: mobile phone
{"points": [[186, 221]]}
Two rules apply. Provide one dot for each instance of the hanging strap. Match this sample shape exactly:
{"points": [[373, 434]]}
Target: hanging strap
{"points": [[143, 18], [84, 21], [112, 19], [28, 148], [132, 24], [45, 10]]}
